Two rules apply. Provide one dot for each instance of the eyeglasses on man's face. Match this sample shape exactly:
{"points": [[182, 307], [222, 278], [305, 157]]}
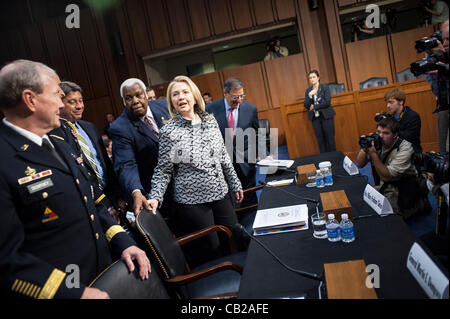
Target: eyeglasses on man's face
{"points": [[237, 97]]}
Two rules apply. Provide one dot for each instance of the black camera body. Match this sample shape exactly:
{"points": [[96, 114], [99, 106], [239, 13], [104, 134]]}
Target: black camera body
{"points": [[366, 141], [382, 115], [435, 163], [429, 64], [429, 43]]}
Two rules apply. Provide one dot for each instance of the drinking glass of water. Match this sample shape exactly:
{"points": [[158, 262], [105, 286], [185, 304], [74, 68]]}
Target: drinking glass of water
{"points": [[319, 225]]}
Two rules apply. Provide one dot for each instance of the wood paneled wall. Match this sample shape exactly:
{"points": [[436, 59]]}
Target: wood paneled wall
{"points": [[355, 112], [383, 56], [159, 24], [80, 55], [268, 85]]}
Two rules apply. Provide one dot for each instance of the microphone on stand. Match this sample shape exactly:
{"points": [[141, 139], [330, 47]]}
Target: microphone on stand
{"points": [[284, 191], [299, 272]]}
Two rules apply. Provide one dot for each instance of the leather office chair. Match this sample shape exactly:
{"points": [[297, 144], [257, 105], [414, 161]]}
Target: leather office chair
{"points": [[407, 75], [264, 123], [218, 278], [119, 283], [336, 88], [373, 82]]}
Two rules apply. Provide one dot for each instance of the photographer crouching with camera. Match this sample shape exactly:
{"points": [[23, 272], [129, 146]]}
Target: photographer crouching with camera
{"points": [[393, 171]]}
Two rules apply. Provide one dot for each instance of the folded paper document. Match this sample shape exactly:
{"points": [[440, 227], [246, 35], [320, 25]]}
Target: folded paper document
{"points": [[281, 219], [275, 163]]}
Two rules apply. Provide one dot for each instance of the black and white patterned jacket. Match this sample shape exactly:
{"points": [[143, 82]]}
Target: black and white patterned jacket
{"points": [[197, 160]]}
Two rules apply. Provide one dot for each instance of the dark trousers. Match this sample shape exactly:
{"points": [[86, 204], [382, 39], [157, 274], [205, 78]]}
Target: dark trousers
{"points": [[191, 218], [324, 129], [247, 181]]}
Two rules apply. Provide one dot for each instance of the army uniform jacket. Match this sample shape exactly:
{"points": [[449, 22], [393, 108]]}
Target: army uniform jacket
{"points": [[50, 219]]}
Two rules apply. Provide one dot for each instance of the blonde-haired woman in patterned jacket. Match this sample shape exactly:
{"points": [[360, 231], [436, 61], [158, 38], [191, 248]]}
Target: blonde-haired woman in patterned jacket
{"points": [[192, 154]]}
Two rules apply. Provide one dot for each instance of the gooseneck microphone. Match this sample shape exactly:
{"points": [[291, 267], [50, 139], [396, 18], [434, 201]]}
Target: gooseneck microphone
{"points": [[300, 272], [284, 191]]}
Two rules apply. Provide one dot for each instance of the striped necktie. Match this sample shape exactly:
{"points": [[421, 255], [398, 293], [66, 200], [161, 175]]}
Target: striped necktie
{"points": [[88, 155], [151, 125]]}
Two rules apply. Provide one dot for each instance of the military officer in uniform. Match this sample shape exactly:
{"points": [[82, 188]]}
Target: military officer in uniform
{"points": [[51, 216]]}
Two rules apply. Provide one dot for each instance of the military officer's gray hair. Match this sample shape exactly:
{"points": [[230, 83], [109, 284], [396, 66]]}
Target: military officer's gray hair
{"points": [[68, 87], [232, 84], [20, 75], [129, 83]]}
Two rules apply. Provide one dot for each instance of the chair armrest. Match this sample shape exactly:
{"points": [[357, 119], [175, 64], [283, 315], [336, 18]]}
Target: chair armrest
{"points": [[253, 189], [203, 232], [191, 277], [243, 209]]}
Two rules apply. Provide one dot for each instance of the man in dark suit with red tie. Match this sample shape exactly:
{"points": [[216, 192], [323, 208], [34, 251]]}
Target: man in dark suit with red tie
{"points": [[135, 136], [233, 112]]}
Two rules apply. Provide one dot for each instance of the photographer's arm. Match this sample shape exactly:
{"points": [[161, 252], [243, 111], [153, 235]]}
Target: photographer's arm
{"points": [[361, 159], [382, 170], [433, 12]]}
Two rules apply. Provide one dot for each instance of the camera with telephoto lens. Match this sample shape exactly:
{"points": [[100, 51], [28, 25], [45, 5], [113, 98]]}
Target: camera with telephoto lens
{"points": [[435, 163], [429, 64], [366, 141], [429, 43]]}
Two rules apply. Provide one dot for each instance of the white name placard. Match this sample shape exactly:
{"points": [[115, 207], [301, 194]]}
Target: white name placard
{"points": [[378, 202], [428, 275], [350, 167]]}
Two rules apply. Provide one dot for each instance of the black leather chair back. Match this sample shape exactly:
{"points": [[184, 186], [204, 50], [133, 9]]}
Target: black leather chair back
{"points": [[160, 244], [336, 88], [407, 75], [264, 123], [373, 82], [119, 283]]}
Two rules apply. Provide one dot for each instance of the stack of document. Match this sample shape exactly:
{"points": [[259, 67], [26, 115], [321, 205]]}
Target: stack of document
{"points": [[280, 219], [275, 163]]}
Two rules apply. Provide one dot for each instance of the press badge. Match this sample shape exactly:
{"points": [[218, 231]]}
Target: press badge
{"points": [[46, 183]]}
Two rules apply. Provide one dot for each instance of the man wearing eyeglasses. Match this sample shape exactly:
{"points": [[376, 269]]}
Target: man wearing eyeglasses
{"points": [[233, 112]]}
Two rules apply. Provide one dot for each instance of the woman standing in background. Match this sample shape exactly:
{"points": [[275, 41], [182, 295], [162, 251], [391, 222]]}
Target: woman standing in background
{"points": [[320, 112]]}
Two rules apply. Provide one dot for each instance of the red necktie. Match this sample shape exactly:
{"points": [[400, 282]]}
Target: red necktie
{"points": [[231, 121], [151, 125]]}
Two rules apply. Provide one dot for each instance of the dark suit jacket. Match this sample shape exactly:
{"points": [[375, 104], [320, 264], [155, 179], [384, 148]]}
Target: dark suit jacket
{"points": [[409, 128], [135, 148], [247, 118], [49, 221], [323, 104], [112, 188]]}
